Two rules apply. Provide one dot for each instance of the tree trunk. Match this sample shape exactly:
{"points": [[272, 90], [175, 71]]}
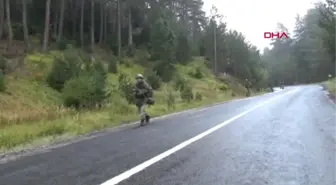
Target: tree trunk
{"points": [[114, 16], [74, 18], [25, 24], [54, 24], [119, 30], [46, 28], [215, 49], [92, 25], [9, 25], [2, 17], [101, 23], [61, 21], [130, 30], [82, 23], [105, 27]]}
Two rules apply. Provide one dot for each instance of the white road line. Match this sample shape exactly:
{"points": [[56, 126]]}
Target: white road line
{"points": [[125, 175]]}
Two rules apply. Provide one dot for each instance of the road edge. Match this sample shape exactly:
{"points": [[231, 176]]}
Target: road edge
{"points": [[64, 141], [329, 95]]}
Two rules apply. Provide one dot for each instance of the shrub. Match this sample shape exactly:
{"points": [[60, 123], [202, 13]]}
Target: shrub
{"points": [[17, 31], [180, 83], [74, 62], [59, 74], [113, 64], [126, 61], [142, 57], [100, 78], [207, 63], [126, 87], [86, 90], [2, 82], [130, 51], [154, 80], [187, 94], [197, 73], [171, 100], [78, 92], [62, 44], [224, 87], [199, 96], [165, 70]]}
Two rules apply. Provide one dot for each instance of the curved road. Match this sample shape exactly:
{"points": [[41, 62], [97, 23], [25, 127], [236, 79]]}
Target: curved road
{"points": [[283, 138]]}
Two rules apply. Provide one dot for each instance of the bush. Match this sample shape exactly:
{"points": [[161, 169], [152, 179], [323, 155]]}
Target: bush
{"points": [[180, 83], [142, 57], [86, 90], [187, 94], [59, 74], [126, 61], [197, 73], [171, 100], [207, 63], [199, 96], [100, 76], [154, 80], [2, 82], [113, 64], [130, 51], [74, 62], [62, 44], [165, 70], [78, 92], [126, 87], [224, 87], [18, 31]]}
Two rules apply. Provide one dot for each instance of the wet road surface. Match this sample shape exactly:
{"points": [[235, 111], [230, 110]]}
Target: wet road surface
{"points": [[283, 138]]}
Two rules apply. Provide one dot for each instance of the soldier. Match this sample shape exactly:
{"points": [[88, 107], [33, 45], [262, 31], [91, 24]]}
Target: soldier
{"points": [[248, 85], [143, 96]]}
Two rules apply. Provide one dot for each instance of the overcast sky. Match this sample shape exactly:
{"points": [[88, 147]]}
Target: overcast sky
{"points": [[254, 17]]}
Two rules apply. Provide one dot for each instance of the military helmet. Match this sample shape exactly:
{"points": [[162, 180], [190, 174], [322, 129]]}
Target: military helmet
{"points": [[139, 76]]}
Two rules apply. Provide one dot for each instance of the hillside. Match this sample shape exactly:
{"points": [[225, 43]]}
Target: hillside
{"points": [[31, 110], [68, 72]]}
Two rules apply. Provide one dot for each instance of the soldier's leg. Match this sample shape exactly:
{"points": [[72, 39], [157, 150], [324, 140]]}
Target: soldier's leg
{"points": [[143, 112]]}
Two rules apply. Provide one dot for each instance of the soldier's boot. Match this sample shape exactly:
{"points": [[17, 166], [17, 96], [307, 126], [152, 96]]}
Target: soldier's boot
{"points": [[147, 118]]}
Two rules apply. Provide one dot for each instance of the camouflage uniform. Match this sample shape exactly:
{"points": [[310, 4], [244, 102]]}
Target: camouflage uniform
{"points": [[143, 92], [248, 86]]}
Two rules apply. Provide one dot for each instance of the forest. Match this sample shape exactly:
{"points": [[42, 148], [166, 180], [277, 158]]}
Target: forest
{"points": [[309, 55], [172, 31]]}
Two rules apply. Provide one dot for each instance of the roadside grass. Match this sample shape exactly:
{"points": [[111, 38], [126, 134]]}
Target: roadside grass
{"points": [[32, 113], [331, 84], [17, 136]]}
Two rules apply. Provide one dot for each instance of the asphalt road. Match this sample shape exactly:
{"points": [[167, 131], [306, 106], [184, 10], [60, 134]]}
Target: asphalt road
{"points": [[283, 138]]}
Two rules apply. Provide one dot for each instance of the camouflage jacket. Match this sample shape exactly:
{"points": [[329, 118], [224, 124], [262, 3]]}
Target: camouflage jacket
{"points": [[143, 89]]}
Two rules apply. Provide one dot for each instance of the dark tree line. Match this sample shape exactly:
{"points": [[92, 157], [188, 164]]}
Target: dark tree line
{"points": [[173, 31]]}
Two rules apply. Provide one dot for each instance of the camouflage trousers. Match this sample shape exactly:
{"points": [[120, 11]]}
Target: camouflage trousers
{"points": [[142, 106], [143, 112]]}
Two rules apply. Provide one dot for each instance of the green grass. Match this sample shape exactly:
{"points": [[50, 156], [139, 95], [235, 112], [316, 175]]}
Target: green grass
{"points": [[33, 112], [331, 84]]}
